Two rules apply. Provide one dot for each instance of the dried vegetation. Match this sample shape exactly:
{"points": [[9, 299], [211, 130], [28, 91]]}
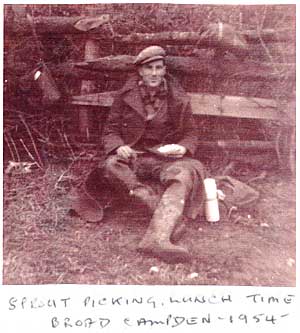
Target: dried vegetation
{"points": [[45, 243]]}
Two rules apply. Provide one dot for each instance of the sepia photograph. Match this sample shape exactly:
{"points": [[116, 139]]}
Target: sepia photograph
{"points": [[149, 144]]}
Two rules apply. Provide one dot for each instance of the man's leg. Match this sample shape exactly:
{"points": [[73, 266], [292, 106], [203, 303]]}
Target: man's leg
{"points": [[168, 215], [122, 176]]}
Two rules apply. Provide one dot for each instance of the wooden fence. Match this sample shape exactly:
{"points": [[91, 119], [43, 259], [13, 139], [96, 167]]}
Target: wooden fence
{"points": [[241, 66]]}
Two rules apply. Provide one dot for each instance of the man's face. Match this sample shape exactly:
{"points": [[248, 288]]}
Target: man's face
{"points": [[153, 73]]}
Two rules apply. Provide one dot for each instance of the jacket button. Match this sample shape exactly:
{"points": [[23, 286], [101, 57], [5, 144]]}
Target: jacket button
{"points": [[125, 124]]}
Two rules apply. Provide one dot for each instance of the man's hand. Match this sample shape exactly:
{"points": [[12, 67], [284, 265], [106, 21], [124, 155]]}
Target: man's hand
{"points": [[126, 152], [173, 150]]}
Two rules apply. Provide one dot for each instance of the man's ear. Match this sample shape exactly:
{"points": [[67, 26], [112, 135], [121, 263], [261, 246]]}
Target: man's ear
{"points": [[140, 70]]}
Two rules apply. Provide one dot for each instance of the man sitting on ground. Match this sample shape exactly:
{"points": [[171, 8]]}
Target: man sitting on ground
{"points": [[150, 134]]}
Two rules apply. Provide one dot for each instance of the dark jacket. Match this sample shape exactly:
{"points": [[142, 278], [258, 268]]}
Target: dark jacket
{"points": [[126, 121]]}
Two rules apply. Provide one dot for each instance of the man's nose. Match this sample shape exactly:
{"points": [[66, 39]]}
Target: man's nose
{"points": [[154, 71]]}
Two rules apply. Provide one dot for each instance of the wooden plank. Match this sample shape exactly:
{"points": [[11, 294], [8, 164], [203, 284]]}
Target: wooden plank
{"points": [[234, 106], [82, 24], [269, 35], [191, 37], [104, 99], [84, 71], [112, 66], [205, 104], [231, 68], [245, 107], [238, 144], [59, 25]]}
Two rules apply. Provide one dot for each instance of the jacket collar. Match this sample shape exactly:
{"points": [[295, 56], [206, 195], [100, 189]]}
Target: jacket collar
{"points": [[131, 95]]}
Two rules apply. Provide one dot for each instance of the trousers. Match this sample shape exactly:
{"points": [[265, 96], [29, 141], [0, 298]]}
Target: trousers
{"points": [[126, 175]]}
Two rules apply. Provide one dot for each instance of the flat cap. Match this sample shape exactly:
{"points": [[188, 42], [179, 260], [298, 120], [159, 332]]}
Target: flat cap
{"points": [[150, 54]]}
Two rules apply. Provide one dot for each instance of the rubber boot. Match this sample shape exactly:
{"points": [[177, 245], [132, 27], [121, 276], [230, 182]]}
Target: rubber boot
{"points": [[179, 230], [146, 195], [156, 241]]}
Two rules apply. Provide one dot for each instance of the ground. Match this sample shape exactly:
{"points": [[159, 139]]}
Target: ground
{"points": [[45, 244]]}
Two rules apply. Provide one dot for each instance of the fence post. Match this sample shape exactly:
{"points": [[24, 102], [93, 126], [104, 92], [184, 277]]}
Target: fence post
{"points": [[91, 52], [87, 86]]}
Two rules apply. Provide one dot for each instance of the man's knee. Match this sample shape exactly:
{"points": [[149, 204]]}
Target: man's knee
{"points": [[180, 174], [185, 175], [110, 163], [114, 162]]}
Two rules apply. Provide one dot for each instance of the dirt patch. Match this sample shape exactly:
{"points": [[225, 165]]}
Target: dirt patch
{"points": [[44, 243]]}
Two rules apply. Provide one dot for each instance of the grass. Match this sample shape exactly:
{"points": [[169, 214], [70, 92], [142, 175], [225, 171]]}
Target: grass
{"points": [[44, 243]]}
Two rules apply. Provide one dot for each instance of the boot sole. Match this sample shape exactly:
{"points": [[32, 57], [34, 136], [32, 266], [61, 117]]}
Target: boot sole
{"points": [[168, 256]]}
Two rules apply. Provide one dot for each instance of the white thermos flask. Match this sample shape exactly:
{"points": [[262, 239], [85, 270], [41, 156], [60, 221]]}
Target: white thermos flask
{"points": [[211, 200]]}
